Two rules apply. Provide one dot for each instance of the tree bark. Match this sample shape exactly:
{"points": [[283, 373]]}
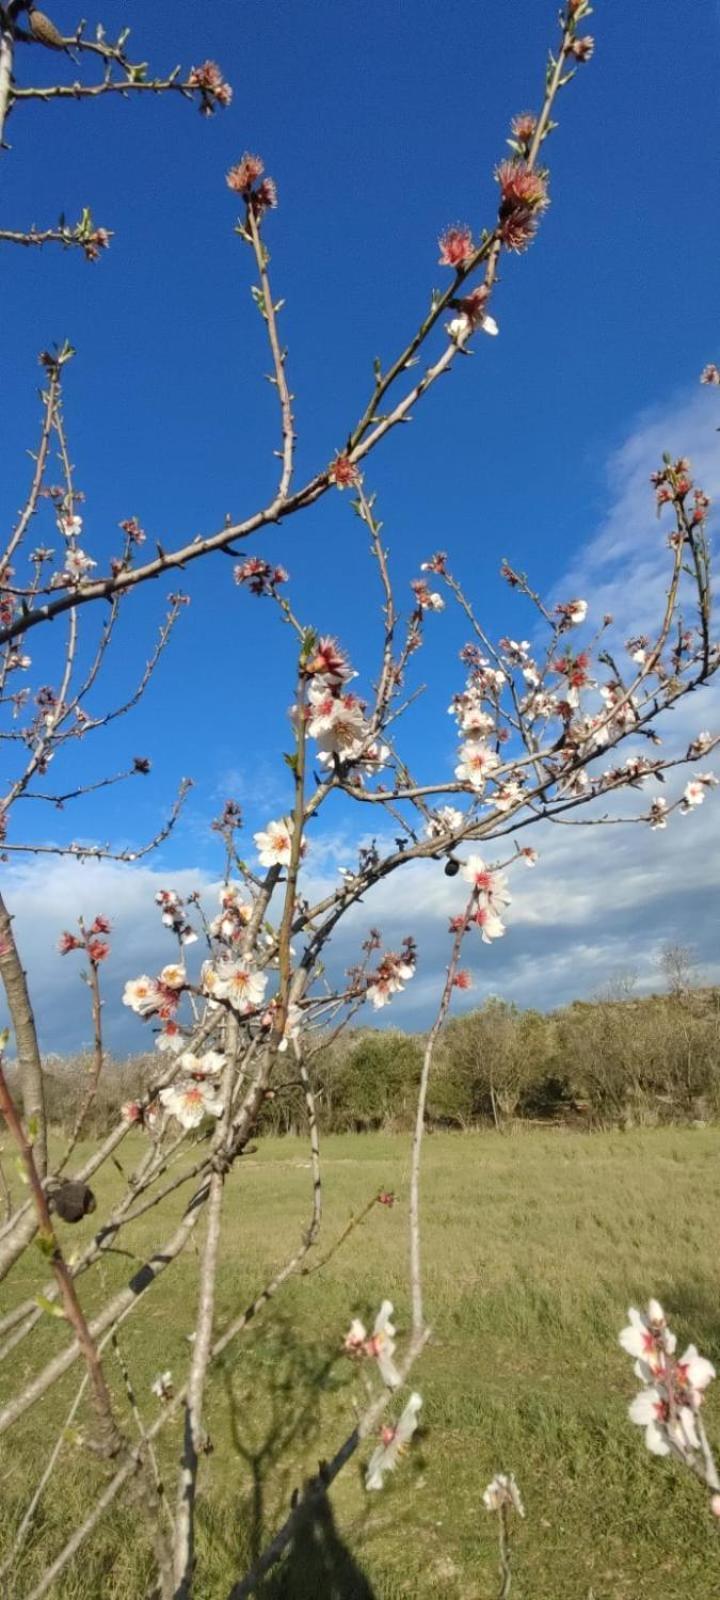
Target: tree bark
{"points": [[32, 1088]]}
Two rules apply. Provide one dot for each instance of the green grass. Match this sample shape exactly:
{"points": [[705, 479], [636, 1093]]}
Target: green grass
{"points": [[534, 1246]]}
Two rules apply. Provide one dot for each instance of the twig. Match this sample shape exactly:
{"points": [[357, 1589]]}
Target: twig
{"points": [[269, 311], [418, 1320]]}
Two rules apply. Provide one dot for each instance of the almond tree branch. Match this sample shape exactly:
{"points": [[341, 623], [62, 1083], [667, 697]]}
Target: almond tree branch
{"points": [[110, 1439], [32, 1086], [6, 68]]}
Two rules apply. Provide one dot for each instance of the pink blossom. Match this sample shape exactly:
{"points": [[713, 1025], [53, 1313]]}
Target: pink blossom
{"points": [[523, 126], [97, 950], [344, 473], [329, 661], [209, 80], [426, 599], [524, 197], [247, 171], [582, 49], [456, 246]]}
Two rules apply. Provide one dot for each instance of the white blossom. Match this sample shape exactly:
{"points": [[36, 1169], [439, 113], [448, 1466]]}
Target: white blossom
{"points": [[173, 976], [445, 820], [236, 981], [477, 762], [208, 1065], [142, 995], [380, 1343], [394, 1444], [503, 1491], [190, 1101], [275, 843], [77, 564]]}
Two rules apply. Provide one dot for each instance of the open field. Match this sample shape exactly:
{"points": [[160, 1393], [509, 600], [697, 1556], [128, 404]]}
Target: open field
{"points": [[535, 1244]]}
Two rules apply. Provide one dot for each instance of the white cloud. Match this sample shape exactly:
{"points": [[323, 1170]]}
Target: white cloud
{"points": [[623, 567], [47, 897], [601, 902]]}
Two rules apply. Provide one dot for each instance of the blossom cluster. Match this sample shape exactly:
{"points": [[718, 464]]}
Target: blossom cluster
{"points": [[214, 90], [92, 940], [395, 969], [76, 563], [173, 916], [668, 1405], [247, 179], [335, 716]]}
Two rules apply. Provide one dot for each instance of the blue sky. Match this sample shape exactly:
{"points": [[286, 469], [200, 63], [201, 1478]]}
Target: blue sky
{"points": [[381, 124]]}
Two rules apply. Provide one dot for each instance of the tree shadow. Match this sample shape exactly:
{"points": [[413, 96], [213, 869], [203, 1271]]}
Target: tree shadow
{"points": [[285, 1418], [319, 1565]]}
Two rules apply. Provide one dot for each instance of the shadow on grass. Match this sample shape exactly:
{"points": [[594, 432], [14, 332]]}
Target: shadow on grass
{"points": [[319, 1565], [271, 1436]]}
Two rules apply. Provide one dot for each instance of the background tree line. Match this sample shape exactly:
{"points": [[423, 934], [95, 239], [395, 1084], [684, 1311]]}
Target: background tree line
{"points": [[617, 1060]]}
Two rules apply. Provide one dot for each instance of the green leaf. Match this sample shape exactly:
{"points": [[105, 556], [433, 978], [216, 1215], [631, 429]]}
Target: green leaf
{"points": [[50, 1307]]}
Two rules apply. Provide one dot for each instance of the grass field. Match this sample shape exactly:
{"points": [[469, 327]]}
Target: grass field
{"points": [[535, 1244]]}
